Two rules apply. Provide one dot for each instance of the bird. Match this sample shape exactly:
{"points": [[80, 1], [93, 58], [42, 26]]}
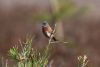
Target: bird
{"points": [[47, 30]]}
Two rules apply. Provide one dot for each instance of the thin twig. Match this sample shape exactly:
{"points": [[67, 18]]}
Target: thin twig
{"points": [[50, 39], [58, 42], [52, 34], [50, 64], [6, 63], [2, 62]]}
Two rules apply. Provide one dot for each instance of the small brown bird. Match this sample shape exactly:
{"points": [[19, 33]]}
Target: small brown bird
{"points": [[47, 30]]}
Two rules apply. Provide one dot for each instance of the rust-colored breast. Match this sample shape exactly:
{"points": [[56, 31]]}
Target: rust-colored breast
{"points": [[48, 29], [45, 30]]}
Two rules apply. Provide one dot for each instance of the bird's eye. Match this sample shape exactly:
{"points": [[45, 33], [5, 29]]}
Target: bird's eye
{"points": [[44, 23]]}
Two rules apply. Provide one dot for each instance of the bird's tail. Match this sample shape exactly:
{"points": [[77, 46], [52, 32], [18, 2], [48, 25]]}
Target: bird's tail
{"points": [[54, 39]]}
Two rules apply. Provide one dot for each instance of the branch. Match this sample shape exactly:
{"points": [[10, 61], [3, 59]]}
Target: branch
{"points": [[52, 34]]}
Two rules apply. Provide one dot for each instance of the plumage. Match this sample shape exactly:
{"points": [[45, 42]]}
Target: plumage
{"points": [[47, 30]]}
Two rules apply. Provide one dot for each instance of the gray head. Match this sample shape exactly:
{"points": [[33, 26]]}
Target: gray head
{"points": [[45, 24]]}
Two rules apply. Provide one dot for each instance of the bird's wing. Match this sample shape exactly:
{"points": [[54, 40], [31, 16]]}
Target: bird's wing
{"points": [[49, 29]]}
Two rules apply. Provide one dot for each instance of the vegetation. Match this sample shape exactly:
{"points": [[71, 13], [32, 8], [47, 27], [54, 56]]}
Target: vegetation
{"points": [[29, 57], [26, 56]]}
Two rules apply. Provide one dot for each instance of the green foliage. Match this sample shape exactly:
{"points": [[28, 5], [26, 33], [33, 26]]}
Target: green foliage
{"points": [[13, 52], [29, 57], [66, 8]]}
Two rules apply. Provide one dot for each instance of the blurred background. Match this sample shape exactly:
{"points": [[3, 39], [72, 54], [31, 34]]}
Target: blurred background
{"points": [[77, 22]]}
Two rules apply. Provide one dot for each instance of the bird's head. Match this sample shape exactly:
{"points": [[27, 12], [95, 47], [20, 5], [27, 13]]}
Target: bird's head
{"points": [[45, 24]]}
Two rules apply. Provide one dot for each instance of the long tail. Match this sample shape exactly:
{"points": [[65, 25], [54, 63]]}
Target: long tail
{"points": [[54, 39]]}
